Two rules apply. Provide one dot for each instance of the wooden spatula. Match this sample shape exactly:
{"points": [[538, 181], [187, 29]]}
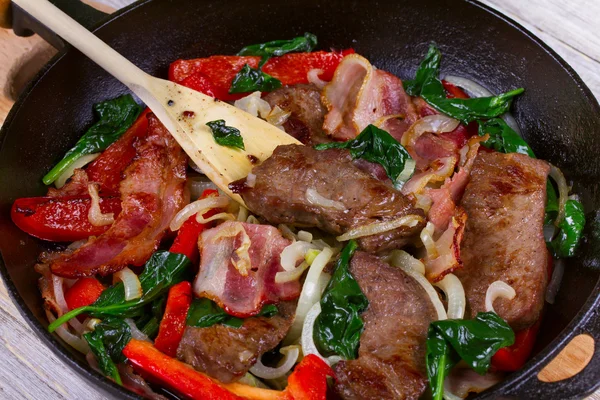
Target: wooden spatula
{"points": [[170, 101]]}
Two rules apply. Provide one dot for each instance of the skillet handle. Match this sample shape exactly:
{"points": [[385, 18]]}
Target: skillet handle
{"points": [[23, 24], [576, 387]]}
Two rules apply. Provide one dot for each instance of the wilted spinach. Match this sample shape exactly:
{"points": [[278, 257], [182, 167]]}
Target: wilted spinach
{"points": [[378, 146], [205, 312], [114, 118], [251, 80], [107, 341], [226, 135], [277, 48], [338, 326]]}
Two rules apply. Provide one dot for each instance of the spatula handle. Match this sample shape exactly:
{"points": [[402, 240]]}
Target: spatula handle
{"points": [[86, 42]]}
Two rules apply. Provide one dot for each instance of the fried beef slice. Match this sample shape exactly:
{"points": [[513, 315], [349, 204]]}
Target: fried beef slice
{"points": [[391, 356], [504, 240], [279, 195]]}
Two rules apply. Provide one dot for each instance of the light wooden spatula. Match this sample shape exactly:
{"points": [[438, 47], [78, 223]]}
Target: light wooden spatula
{"points": [[169, 101]]}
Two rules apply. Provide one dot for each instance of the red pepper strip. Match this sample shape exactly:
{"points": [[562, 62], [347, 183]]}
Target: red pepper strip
{"points": [[307, 382], [309, 379], [513, 358], [107, 169], [174, 374], [172, 325], [186, 241], [454, 92], [60, 219], [213, 75], [84, 292]]}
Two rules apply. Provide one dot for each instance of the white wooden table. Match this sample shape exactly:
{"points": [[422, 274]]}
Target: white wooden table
{"points": [[29, 370]]}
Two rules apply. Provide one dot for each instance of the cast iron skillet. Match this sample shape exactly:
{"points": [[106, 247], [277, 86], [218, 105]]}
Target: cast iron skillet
{"points": [[558, 114]]}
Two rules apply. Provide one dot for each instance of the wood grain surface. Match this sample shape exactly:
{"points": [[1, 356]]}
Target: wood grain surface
{"points": [[29, 370]]}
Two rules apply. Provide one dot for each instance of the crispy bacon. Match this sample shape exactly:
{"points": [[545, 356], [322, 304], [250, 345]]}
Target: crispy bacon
{"points": [[152, 193], [360, 95], [242, 292], [447, 246]]}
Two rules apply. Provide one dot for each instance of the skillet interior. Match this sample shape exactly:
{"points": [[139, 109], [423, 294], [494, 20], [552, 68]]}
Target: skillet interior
{"points": [[559, 117]]}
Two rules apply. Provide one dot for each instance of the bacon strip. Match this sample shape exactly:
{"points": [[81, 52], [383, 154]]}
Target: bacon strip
{"points": [[152, 193], [360, 95], [242, 292]]}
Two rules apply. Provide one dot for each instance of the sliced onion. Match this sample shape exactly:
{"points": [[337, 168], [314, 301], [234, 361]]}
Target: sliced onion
{"points": [[131, 283], [474, 89], [278, 117], [313, 77], [401, 257], [563, 192], [380, 227], [307, 339], [554, 285], [290, 353], [74, 341], [432, 123], [407, 172], [427, 239], [462, 381], [251, 180], [251, 380], [311, 292], [549, 232], [424, 202], [316, 199], [135, 332], [79, 163], [198, 206], [455, 295], [420, 278], [253, 220], [95, 215], [305, 236], [197, 185], [136, 383], [224, 216], [286, 232], [253, 104], [292, 275], [293, 253], [495, 290], [59, 296], [242, 214]]}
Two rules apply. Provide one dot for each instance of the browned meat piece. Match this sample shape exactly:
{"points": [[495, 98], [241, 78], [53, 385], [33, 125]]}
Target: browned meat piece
{"points": [[282, 181], [391, 356], [503, 240], [304, 102], [227, 353]]}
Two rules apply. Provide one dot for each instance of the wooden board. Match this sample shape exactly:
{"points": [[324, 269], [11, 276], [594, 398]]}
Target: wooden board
{"points": [[31, 371]]}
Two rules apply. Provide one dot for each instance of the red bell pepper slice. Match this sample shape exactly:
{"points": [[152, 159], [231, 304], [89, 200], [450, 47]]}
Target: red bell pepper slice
{"points": [[309, 379], [107, 169], [174, 374], [84, 292], [172, 325], [186, 241], [513, 358], [60, 219], [213, 75], [307, 382], [453, 91]]}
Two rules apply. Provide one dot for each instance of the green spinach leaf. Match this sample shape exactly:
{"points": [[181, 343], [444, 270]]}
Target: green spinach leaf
{"points": [[429, 67], [107, 341], [205, 312], [277, 48], [475, 341], [378, 146], [570, 230], [163, 270], [503, 138], [226, 135], [114, 118], [251, 80], [338, 327], [428, 85]]}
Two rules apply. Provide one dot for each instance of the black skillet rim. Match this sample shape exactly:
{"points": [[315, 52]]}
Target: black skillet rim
{"points": [[532, 366]]}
